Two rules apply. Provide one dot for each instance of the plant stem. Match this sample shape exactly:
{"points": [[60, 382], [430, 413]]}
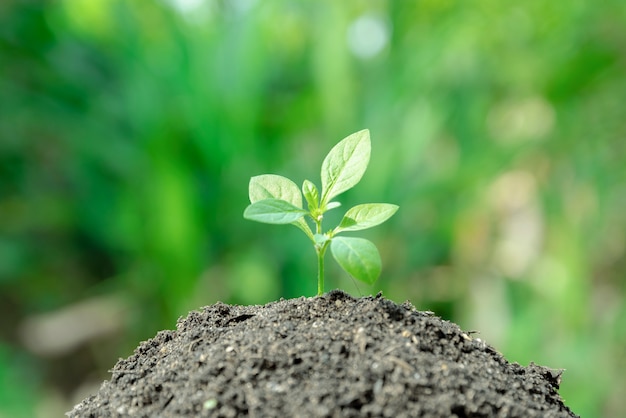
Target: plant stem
{"points": [[320, 250]]}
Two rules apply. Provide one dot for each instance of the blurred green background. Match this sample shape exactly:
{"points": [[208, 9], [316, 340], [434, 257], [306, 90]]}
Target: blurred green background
{"points": [[129, 131]]}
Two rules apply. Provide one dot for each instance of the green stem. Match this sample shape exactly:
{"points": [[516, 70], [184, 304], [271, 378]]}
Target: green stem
{"points": [[321, 251]]}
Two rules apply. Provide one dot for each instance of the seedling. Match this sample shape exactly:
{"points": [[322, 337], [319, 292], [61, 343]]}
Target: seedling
{"points": [[277, 200]]}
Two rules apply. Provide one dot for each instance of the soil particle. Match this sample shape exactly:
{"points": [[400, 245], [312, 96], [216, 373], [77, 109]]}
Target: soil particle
{"points": [[327, 356]]}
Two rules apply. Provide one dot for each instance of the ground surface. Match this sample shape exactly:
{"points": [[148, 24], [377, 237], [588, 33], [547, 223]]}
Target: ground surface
{"points": [[328, 356]]}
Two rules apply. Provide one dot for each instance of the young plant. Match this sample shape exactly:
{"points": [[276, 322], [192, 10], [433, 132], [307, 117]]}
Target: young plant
{"points": [[277, 200]]}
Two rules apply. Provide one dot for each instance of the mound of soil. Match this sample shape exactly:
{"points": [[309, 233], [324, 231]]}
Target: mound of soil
{"points": [[326, 356]]}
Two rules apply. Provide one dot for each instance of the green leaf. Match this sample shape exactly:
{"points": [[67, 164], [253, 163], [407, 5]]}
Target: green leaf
{"points": [[332, 205], [273, 211], [366, 216], [345, 164], [311, 195], [357, 256], [320, 238], [272, 186]]}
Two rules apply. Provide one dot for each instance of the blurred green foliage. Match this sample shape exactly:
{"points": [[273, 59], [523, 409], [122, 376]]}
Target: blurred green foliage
{"points": [[129, 130]]}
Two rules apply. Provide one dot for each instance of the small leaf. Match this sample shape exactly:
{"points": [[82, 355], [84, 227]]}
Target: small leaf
{"points": [[357, 256], [320, 238], [332, 205], [272, 186], [311, 195], [273, 211], [345, 164], [366, 216]]}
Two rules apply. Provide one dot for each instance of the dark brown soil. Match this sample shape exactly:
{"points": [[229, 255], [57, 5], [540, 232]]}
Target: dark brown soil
{"points": [[328, 356]]}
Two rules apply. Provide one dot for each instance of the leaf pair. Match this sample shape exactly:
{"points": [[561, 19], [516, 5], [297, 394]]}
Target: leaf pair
{"points": [[277, 200]]}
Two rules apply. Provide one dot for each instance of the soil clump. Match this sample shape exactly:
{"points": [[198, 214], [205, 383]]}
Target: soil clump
{"points": [[326, 356]]}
